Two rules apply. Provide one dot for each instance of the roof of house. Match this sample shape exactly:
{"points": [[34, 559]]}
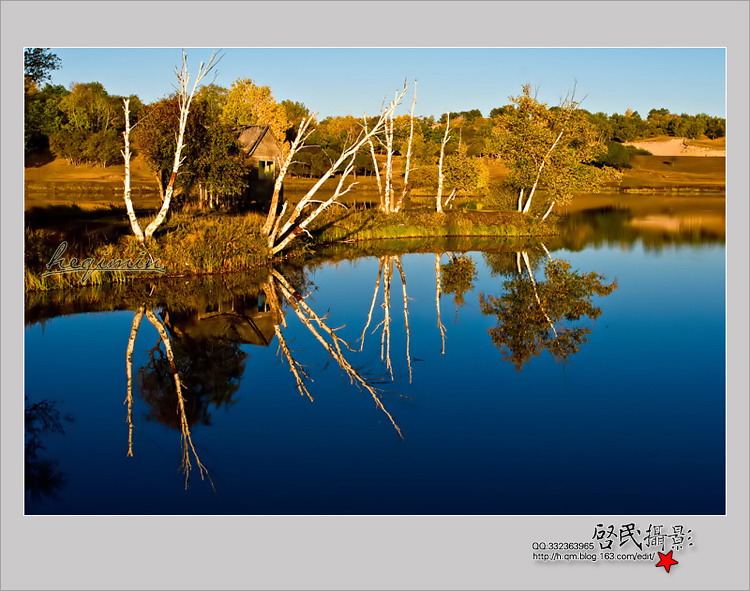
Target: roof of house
{"points": [[236, 327], [251, 136]]}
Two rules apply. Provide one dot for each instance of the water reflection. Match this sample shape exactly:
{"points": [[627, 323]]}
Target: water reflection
{"points": [[163, 388], [538, 315], [43, 477], [627, 220], [328, 337], [197, 363], [386, 265], [192, 346]]}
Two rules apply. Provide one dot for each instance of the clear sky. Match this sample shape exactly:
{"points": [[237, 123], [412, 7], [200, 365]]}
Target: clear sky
{"points": [[352, 81]]}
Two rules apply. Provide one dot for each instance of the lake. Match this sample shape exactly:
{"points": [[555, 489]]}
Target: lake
{"points": [[580, 374]]}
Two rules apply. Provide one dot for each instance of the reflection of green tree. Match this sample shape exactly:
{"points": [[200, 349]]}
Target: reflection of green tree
{"points": [[210, 369], [42, 476], [529, 310], [458, 276]]}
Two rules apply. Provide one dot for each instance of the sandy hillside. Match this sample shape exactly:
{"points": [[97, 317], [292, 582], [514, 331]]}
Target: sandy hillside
{"points": [[677, 146]]}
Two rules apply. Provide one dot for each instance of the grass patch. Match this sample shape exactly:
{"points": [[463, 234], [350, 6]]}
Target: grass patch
{"points": [[359, 225], [195, 244], [187, 245]]}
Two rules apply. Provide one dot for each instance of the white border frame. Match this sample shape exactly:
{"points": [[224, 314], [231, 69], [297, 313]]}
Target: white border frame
{"points": [[361, 552]]}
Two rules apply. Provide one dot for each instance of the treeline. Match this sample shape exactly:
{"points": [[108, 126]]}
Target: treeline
{"points": [[84, 124]]}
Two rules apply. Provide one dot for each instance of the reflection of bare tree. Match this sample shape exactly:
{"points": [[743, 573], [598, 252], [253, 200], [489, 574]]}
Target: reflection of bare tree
{"points": [[298, 371], [187, 439], [188, 447], [334, 345], [402, 275], [438, 293], [129, 371], [385, 271]]}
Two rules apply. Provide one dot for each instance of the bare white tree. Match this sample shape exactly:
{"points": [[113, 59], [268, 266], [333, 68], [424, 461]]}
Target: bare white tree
{"points": [[385, 271], [136, 227], [285, 230], [401, 273], [407, 165], [185, 95], [441, 176], [274, 215]]}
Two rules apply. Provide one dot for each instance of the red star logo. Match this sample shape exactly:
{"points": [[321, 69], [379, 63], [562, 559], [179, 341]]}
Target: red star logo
{"points": [[666, 560]]}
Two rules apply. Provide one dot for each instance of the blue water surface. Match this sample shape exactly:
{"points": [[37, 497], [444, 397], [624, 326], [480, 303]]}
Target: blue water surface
{"points": [[633, 423]]}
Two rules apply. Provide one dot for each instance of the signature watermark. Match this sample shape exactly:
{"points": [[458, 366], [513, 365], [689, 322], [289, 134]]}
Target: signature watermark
{"points": [[58, 265]]}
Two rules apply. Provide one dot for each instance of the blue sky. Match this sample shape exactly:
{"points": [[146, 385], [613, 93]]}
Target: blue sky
{"points": [[352, 81]]}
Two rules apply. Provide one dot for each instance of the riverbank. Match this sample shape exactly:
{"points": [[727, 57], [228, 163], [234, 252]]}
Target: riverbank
{"points": [[192, 245]]}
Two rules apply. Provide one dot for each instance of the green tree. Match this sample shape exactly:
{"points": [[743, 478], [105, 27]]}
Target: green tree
{"points": [[38, 64], [250, 104], [212, 155], [549, 147], [715, 127], [295, 112], [42, 117], [464, 173], [91, 124]]}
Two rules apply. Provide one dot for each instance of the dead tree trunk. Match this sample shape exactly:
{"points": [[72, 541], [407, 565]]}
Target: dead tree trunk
{"points": [[299, 141], [387, 204], [284, 232], [441, 177], [134, 225], [185, 97], [407, 166]]}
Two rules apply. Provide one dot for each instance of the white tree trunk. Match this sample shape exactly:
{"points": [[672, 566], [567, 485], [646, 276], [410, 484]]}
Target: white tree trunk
{"points": [[297, 144], [135, 226], [406, 315], [407, 169], [388, 197], [569, 106], [185, 98], [549, 210], [296, 224], [536, 292], [309, 319], [372, 306], [441, 177]]}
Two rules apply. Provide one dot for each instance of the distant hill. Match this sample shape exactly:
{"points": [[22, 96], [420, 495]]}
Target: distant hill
{"points": [[678, 146]]}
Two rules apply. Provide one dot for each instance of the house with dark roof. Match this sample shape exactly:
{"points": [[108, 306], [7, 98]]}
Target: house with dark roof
{"points": [[263, 152]]}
